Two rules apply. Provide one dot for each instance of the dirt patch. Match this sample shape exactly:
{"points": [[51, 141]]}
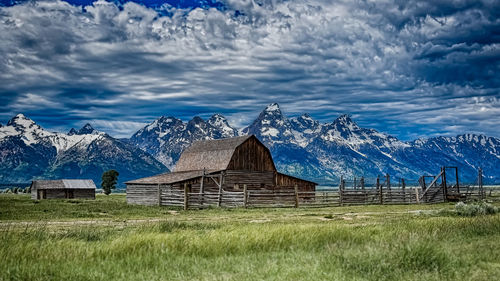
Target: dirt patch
{"points": [[260, 221]]}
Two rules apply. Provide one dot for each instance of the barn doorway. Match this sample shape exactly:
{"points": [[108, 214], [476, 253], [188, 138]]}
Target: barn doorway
{"points": [[42, 194], [70, 194]]}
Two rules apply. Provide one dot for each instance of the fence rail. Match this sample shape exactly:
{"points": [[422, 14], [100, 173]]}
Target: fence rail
{"points": [[294, 198]]}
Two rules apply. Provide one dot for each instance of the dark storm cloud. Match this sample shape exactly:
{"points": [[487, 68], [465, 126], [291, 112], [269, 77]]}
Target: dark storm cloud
{"points": [[410, 68]]}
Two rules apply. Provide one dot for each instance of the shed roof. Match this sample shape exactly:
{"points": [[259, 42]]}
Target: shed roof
{"points": [[169, 178], [209, 154], [63, 184]]}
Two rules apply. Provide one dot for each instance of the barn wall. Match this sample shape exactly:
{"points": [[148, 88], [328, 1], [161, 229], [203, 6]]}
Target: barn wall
{"points": [[253, 180], [84, 193], [252, 156], [284, 180], [33, 193], [55, 194], [234, 181], [142, 194]]}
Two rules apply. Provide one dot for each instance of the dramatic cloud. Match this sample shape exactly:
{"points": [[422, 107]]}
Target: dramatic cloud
{"points": [[409, 68]]}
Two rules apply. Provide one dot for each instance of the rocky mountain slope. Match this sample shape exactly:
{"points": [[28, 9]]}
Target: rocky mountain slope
{"points": [[166, 137], [301, 146], [304, 147], [28, 152]]}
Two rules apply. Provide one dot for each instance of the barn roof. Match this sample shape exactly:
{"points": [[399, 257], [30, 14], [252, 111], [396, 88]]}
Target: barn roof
{"points": [[63, 184], [209, 154], [169, 178]]}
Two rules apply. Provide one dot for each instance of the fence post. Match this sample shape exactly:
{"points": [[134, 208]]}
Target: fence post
{"points": [[202, 188], [186, 196], [416, 195], [389, 193], [296, 188], [219, 200], [379, 190], [341, 190], [445, 185], [482, 194], [159, 195], [362, 183], [245, 195], [403, 186]]}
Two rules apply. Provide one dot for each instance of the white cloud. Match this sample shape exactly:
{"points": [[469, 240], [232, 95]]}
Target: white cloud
{"points": [[378, 60]]}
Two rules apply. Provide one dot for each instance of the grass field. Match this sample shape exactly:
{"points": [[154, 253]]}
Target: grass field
{"points": [[107, 239]]}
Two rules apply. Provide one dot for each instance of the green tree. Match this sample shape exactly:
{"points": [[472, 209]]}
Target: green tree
{"points": [[109, 180]]}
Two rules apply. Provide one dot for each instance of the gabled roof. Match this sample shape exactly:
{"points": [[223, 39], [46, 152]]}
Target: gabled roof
{"points": [[63, 184], [169, 178], [209, 154]]}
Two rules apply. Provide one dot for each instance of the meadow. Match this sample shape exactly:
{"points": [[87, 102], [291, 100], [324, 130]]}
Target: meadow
{"points": [[106, 239]]}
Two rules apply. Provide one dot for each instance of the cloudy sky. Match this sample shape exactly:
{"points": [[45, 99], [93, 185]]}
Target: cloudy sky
{"points": [[408, 68]]}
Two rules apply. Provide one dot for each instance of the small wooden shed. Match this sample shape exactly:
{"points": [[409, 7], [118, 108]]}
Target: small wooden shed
{"points": [[214, 165], [62, 189]]}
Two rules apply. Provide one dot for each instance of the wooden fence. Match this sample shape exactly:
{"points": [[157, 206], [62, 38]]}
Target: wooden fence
{"points": [[291, 197]]}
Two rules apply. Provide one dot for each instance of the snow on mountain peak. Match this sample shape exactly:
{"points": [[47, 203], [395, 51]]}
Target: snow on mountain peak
{"points": [[306, 117], [161, 124], [31, 133], [21, 121], [272, 107], [346, 120], [220, 122]]}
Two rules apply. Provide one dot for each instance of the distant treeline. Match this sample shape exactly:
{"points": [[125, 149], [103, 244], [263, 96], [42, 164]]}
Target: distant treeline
{"points": [[6, 185]]}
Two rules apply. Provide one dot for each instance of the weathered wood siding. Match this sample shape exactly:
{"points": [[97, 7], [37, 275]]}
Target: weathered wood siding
{"points": [[64, 194], [55, 194], [142, 194], [251, 156], [287, 181], [232, 181], [33, 193], [84, 193]]}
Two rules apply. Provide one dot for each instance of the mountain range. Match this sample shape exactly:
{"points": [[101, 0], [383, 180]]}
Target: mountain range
{"points": [[28, 151], [301, 146]]}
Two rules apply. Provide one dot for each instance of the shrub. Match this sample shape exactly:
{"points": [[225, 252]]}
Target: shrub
{"points": [[474, 209]]}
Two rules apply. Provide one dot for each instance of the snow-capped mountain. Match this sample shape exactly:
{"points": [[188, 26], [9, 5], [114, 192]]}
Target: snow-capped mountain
{"points": [[271, 127], [28, 151], [304, 147], [166, 137], [301, 146], [305, 129]]}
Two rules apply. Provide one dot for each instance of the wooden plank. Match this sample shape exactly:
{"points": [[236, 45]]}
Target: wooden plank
{"points": [[186, 196]]}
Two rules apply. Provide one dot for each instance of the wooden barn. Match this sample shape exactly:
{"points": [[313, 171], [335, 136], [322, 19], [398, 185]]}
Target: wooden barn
{"points": [[62, 189], [215, 166]]}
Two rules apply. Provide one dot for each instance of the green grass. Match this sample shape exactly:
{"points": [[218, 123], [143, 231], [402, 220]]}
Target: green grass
{"points": [[21, 207], [340, 243]]}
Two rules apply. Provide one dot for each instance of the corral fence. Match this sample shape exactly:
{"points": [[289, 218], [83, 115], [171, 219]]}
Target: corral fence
{"points": [[352, 191], [285, 197]]}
